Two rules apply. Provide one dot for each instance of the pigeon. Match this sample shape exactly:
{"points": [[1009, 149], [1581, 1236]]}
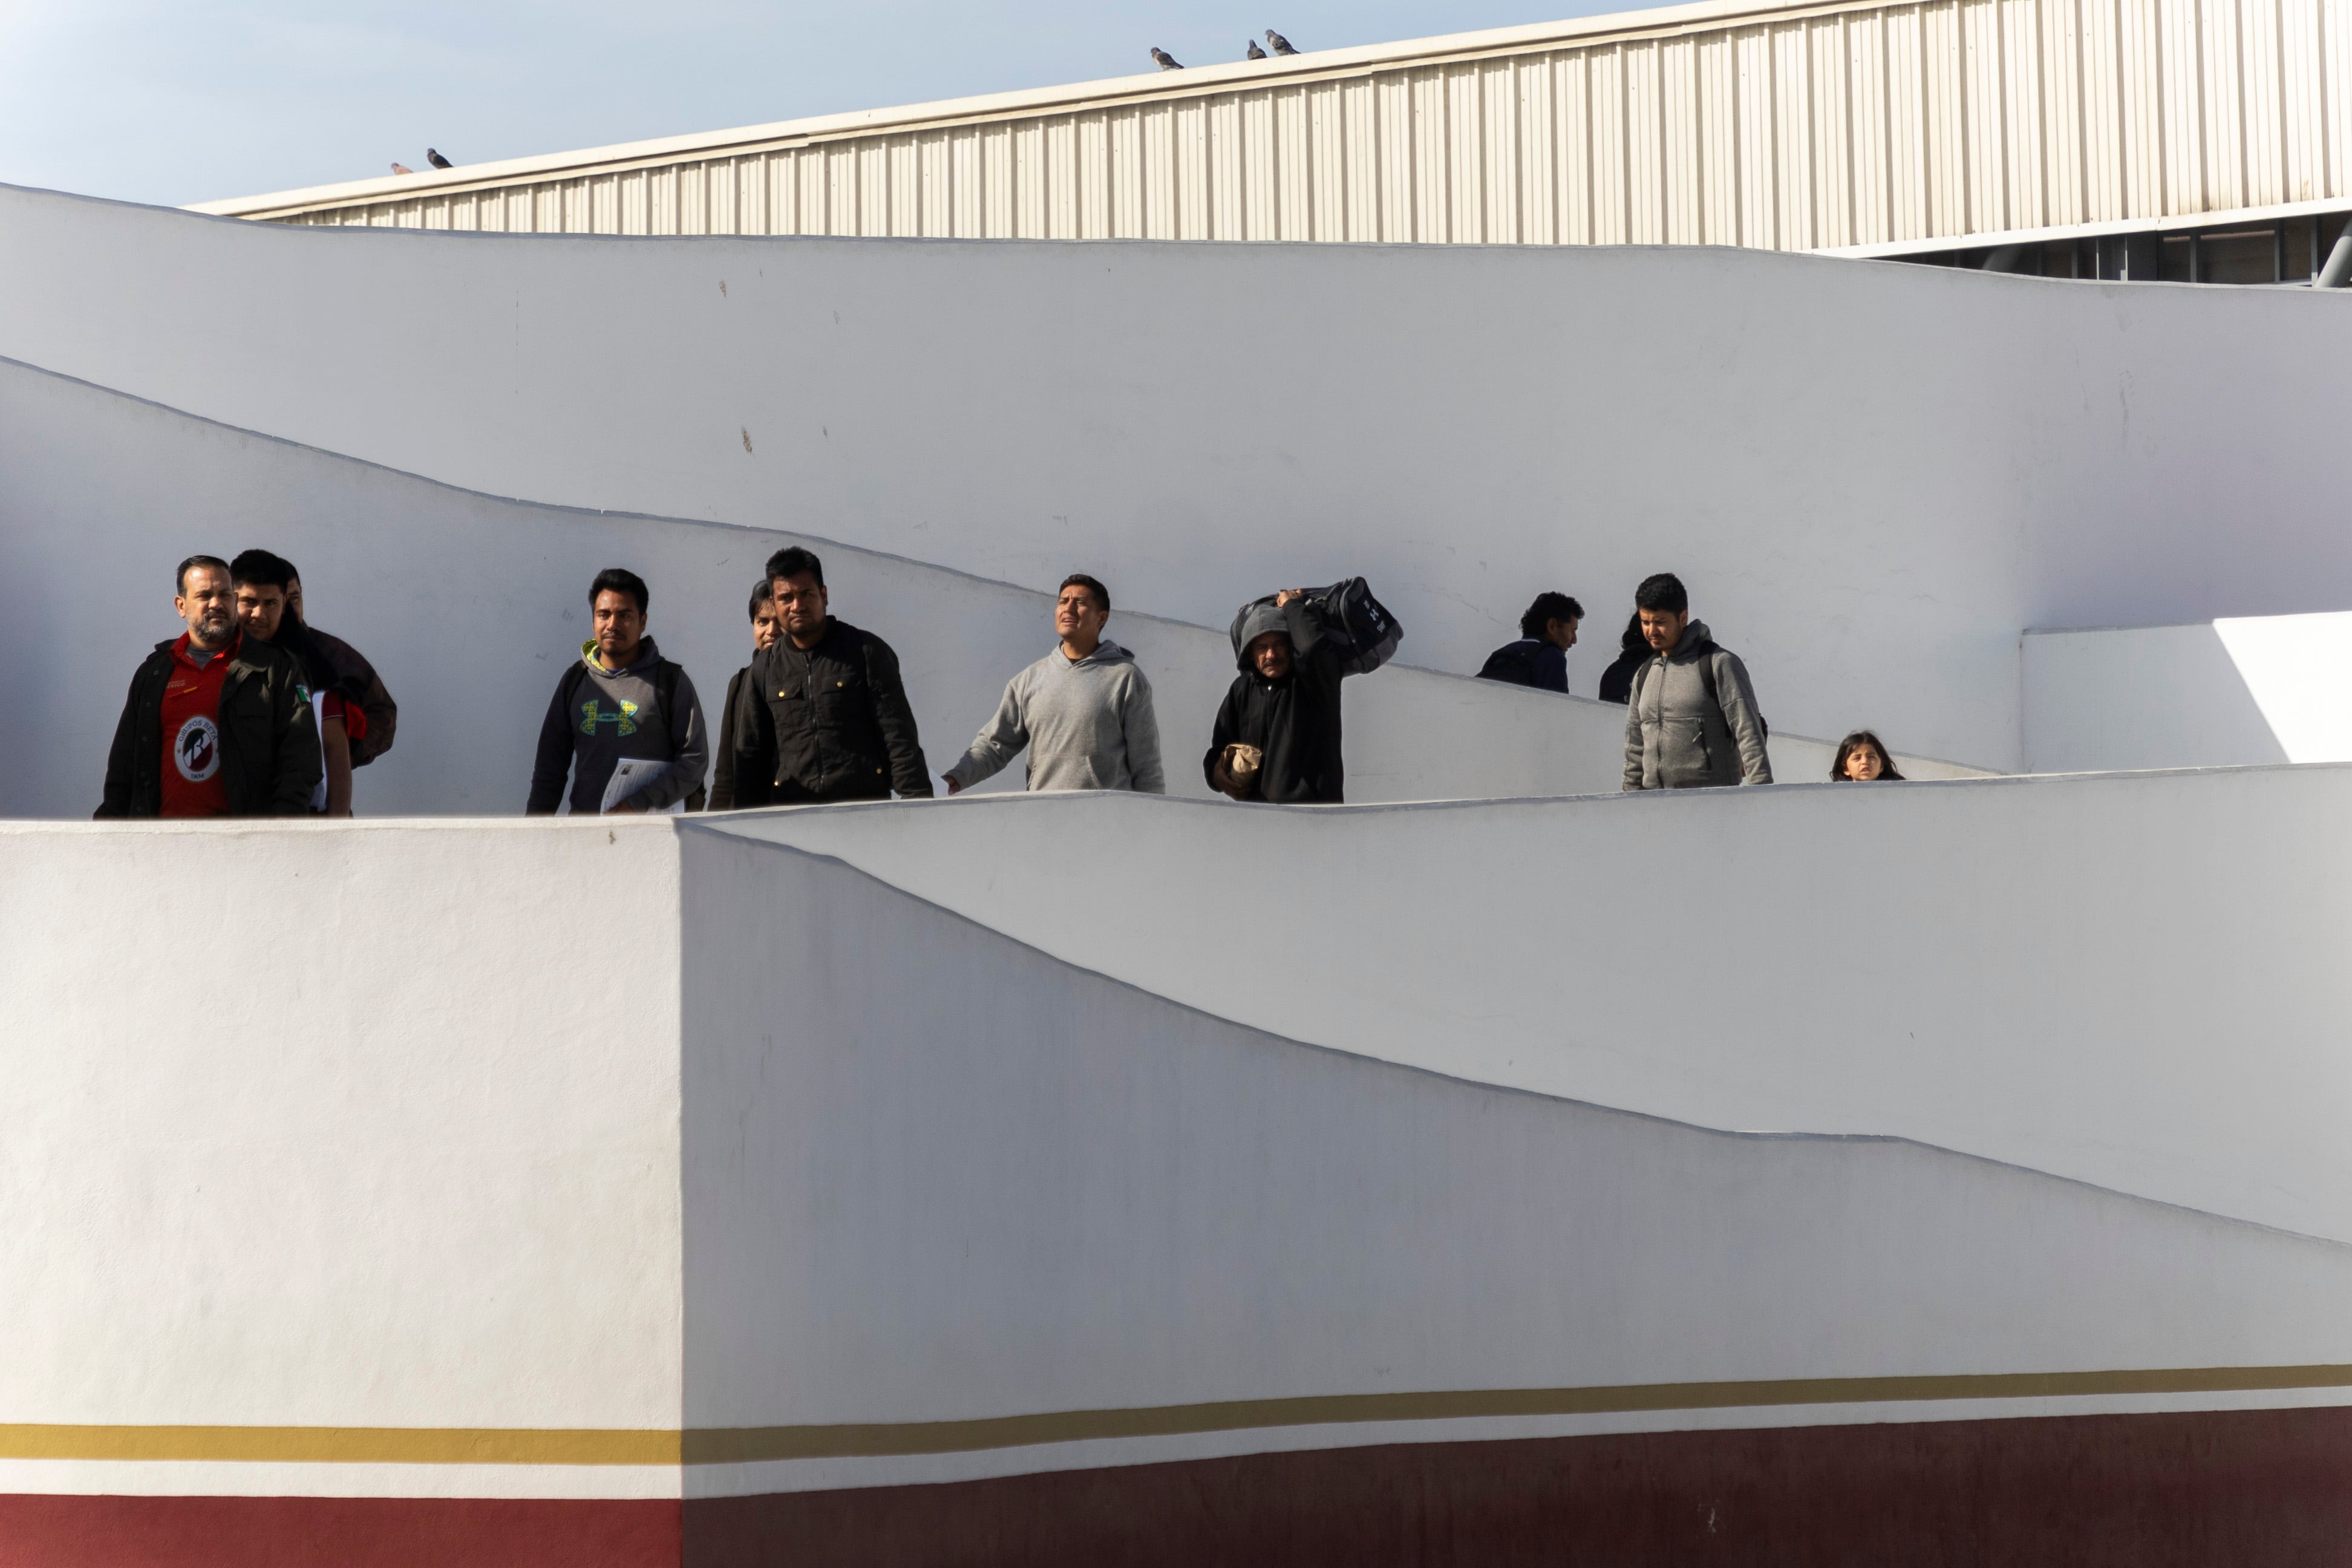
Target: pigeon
{"points": [[1281, 44], [439, 161], [1254, 52], [1167, 62], [402, 169]]}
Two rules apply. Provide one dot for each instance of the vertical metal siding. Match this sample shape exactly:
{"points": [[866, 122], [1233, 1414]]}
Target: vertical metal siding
{"points": [[1869, 124]]}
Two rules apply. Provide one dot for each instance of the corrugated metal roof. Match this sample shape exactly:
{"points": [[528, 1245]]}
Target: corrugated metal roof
{"points": [[1868, 127]]}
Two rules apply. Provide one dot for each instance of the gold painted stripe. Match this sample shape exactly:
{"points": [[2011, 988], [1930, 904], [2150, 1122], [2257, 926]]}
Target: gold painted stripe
{"points": [[344, 1444], [743, 1444]]}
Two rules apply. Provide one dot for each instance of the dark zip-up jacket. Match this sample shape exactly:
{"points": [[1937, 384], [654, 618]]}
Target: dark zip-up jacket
{"points": [[739, 778], [833, 723], [270, 762], [1293, 721], [356, 678]]}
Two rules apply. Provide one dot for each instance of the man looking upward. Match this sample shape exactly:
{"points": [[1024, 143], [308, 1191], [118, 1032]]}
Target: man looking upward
{"points": [[1084, 711]]}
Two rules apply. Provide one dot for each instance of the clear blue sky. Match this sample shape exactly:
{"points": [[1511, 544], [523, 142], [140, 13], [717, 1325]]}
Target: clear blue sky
{"points": [[161, 103]]}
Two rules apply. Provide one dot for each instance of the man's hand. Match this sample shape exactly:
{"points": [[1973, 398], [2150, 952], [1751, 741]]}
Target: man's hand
{"points": [[1223, 779], [632, 806], [1283, 599], [955, 786]]}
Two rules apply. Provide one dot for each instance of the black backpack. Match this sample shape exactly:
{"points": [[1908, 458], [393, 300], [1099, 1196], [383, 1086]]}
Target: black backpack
{"points": [[1358, 624], [666, 676]]}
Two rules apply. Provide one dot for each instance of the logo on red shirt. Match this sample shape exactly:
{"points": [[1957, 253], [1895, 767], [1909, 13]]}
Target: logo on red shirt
{"points": [[195, 751]]}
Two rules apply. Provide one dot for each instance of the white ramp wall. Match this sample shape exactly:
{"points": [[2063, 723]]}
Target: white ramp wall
{"points": [[470, 605], [667, 1160], [2135, 981], [2271, 689], [1873, 476]]}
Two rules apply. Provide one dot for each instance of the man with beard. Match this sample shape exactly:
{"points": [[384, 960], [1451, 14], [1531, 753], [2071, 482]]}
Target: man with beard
{"points": [[216, 724], [832, 722], [264, 615]]}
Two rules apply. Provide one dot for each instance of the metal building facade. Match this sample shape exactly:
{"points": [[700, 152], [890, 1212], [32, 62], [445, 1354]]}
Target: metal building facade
{"points": [[1877, 127]]}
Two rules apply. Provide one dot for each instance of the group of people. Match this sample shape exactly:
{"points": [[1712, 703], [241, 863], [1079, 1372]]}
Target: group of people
{"points": [[253, 711], [1691, 719]]}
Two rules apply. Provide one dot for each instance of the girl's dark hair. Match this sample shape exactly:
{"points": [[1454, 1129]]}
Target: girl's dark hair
{"points": [[763, 592], [1864, 738], [1634, 641]]}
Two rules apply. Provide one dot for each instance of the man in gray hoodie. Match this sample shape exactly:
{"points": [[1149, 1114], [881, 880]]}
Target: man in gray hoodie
{"points": [[622, 700], [1084, 711], [1690, 722]]}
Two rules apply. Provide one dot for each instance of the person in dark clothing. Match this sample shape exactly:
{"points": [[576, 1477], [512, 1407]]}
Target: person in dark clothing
{"points": [[832, 722], [624, 723], [260, 578], [737, 780], [1632, 652], [356, 678], [1539, 659], [1284, 707], [216, 723]]}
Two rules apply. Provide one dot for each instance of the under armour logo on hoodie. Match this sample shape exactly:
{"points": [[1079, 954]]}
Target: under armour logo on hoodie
{"points": [[592, 714]]}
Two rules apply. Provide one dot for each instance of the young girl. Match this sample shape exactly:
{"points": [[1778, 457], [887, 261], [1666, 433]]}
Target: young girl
{"points": [[1862, 757]]}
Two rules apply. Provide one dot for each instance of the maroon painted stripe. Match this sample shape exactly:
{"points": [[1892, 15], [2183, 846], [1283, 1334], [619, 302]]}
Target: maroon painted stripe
{"points": [[2251, 1489], [53, 1532]]}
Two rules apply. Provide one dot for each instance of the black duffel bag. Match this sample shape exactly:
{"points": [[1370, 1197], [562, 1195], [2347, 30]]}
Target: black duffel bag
{"points": [[1358, 625]]}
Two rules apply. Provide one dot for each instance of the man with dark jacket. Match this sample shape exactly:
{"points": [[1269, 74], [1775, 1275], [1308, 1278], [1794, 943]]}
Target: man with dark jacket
{"points": [[832, 722], [216, 724], [623, 704], [1539, 659], [1692, 721], [356, 678], [736, 779], [1284, 706]]}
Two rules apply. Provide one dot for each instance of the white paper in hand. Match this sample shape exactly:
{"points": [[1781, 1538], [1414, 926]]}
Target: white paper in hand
{"points": [[631, 774]]}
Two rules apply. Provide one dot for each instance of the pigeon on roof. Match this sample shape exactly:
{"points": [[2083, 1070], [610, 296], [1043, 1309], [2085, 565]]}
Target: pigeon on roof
{"points": [[402, 169], [1167, 62], [1281, 44], [435, 159], [1254, 52]]}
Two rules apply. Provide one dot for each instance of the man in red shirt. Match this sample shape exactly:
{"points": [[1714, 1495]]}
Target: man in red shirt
{"points": [[215, 724]]}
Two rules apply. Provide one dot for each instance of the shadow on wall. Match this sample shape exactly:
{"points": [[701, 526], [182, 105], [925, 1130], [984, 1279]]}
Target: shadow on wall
{"points": [[2220, 694], [471, 606]]}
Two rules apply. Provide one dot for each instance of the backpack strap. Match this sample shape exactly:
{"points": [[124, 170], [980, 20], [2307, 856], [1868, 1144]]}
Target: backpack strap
{"points": [[666, 676], [1707, 674]]}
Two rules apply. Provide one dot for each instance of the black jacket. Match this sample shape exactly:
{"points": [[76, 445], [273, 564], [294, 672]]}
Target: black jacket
{"points": [[1294, 721], [832, 723], [270, 762], [740, 778], [1617, 681], [356, 678]]}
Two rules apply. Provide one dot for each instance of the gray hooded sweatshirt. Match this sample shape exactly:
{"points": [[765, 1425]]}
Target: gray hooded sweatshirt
{"points": [[599, 716], [1692, 720], [1087, 723]]}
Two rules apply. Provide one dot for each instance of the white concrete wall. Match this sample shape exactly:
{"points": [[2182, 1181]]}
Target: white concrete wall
{"points": [[2134, 981], [360, 1125], [471, 606], [1873, 476], [683, 1129], [2271, 689]]}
